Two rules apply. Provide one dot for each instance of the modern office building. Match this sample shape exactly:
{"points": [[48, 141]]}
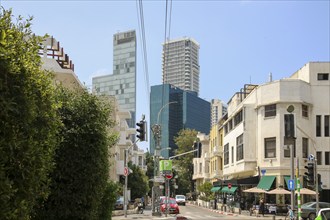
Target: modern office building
{"points": [[174, 109], [122, 83], [181, 64]]}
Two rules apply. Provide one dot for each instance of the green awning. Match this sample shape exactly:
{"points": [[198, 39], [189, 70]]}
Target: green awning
{"points": [[266, 182], [232, 189], [215, 189], [224, 189], [227, 190]]}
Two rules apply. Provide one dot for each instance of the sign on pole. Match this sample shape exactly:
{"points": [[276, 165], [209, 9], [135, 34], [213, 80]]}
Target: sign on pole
{"points": [[291, 185], [125, 171], [165, 166]]}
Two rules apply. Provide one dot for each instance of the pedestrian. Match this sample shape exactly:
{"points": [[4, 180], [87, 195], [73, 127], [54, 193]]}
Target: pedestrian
{"points": [[142, 201], [262, 207]]}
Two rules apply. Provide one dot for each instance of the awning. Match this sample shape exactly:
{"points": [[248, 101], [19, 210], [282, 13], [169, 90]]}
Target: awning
{"points": [[215, 189], [227, 190], [266, 182]]}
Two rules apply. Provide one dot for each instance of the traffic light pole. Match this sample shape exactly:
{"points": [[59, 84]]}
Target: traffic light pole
{"points": [[292, 173], [126, 178], [316, 186]]}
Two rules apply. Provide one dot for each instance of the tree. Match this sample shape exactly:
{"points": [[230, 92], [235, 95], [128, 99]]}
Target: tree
{"points": [[137, 182], [184, 166], [205, 191], [28, 120], [80, 177], [150, 170]]}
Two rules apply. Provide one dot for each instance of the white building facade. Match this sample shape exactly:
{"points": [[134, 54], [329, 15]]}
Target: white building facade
{"points": [[254, 131]]}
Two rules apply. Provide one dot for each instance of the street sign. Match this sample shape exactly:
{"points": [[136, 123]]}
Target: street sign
{"points": [[229, 185], [159, 179], [125, 171], [165, 165], [291, 185], [263, 172], [169, 176]]}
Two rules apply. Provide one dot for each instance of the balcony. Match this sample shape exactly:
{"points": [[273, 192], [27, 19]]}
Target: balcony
{"points": [[217, 151], [217, 174]]}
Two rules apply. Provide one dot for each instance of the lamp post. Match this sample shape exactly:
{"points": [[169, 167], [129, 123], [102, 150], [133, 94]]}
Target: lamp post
{"points": [[156, 129]]}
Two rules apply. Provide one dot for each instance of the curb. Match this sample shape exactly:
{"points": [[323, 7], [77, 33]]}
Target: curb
{"points": [[217, 211]]}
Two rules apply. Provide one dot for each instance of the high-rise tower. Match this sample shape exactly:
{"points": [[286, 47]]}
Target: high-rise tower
{"points": [[122, 83], [181, 64]]}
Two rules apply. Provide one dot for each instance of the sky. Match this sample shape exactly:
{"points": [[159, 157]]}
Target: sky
{"points": [[241, 42]]}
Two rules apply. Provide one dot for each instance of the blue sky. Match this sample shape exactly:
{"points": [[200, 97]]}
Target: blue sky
{"points": [[240, 41]]}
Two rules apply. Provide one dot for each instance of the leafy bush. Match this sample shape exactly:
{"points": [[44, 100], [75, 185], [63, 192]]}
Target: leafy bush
{"points": [[28, 120]]}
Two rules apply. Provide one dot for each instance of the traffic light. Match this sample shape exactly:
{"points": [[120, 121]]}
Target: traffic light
{"points": [[309, 175], [289, 126], [199, 150], [142, 132]]}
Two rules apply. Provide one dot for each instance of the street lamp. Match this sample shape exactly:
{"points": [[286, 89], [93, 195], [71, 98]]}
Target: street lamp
{"points": [[156, 129]]}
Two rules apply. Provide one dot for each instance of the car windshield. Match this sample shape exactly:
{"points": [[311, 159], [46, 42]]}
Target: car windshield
{"points": [[308, 204], [180, 197]]}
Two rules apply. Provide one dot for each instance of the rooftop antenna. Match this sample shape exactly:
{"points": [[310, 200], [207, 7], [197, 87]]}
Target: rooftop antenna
{"points": [[270, 77]]}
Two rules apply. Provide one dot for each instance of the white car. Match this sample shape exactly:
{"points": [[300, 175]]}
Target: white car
{"points": [[324, 214], [180, 199]]}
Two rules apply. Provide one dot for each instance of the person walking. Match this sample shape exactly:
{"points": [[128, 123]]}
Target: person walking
{"points": [[262, 207]]}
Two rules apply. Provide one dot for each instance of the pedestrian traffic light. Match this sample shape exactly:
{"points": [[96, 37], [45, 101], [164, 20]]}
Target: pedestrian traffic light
{"points": [[142, 132], [199, 150], [309, 175], [289, 126]]}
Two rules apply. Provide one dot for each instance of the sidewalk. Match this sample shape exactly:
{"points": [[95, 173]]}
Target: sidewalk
{"points": [[131, 214]]}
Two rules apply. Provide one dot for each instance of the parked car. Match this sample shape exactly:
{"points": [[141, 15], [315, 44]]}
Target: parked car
{"points": [[172, 206], [119, 203], [180, 199], [324, 214], [308, 210]]}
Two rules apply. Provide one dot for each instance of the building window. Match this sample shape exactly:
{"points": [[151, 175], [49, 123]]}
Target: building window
{"points": [[230, 125], [270, 110], [239, 147], [318, 125], [323, 76], [226, 154], [287, 151], [232, 154], [327, 158], [200, 167], [326, 125], [238, 118], [270, 147], [226, 128], [304, 147], [304, 110], [319, 157]]}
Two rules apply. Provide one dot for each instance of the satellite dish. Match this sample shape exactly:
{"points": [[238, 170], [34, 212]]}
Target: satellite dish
{"points": [[290, 108]]}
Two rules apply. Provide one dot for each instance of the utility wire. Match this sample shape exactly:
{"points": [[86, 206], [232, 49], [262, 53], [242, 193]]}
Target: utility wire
{"points": [[139, 7], [166, 46]]}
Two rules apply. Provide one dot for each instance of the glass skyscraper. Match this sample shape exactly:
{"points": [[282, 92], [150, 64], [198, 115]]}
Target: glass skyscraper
{"points": [[122, 83], [186, 110]]}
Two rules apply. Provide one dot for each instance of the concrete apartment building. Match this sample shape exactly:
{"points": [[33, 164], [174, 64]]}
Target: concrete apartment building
{"points": [[202, 164], [53, 58], [218, 109], [252, 144], [181, 64]]}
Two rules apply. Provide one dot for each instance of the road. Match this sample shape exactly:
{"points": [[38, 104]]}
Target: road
{"points": [[193, 212]]}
